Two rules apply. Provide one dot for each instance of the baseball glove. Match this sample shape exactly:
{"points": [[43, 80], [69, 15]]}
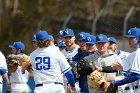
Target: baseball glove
{"points": [[86, 65], [112, 88], [97, 81], [25, 63], [12, 62]]}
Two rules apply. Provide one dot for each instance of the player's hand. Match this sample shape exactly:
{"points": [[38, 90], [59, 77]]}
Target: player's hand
{"points": [[8, 88], [73, 89], [117, 66], [70, 89], [99, 68]]}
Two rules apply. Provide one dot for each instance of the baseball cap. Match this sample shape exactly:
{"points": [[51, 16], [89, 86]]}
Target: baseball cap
{"points": [[68, 32], [81, 36], [42, 35], [112, 39], [51, 37], [60, 33], [90, 39], [101, 38], [34, 38], [133, 32], [18, 45], [61, 44]]}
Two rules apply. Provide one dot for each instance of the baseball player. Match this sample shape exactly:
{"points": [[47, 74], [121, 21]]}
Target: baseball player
{"points": [[3, 72], [81, 41], [70, 51], [114, 47], [131, 66], [19, 79], [106, 58], [48, 64], [86, 43]]}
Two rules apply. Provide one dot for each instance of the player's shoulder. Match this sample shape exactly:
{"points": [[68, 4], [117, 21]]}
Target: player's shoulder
{"points": [[34, 52], [124, 52], [1, 54]]}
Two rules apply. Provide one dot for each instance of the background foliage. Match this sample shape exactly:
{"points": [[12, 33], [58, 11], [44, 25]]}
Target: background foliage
{"points": [[20, 19]]}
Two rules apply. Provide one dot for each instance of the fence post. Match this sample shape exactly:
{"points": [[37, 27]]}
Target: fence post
{"points": [[95, 21], [129, 13]]}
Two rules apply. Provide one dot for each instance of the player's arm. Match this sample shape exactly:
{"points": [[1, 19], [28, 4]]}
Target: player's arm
{"points": [[131, 78], [70, 77], [3, 72], [106, 69]]}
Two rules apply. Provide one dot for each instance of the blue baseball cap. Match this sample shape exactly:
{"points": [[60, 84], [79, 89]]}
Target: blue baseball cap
{"points": [[18, 45], [60, 33], [68, 32], [81, 36], [90, 39], [101, 38], [42, 35], [112, 39], [51, 37], [61, 44], [133, 32], [34, 38]]}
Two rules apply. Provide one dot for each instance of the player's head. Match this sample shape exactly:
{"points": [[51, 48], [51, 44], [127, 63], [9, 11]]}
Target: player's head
{"points": [[17, 47], [113, 44], [132, 36], [59, 36], [91, 43], [42, 38], [34, 41], [102, 43], [61, 45], [69, 37], [81, 40]]}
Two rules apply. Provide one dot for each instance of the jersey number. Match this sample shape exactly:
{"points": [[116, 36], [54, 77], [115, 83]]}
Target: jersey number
{"points": [[42, 63]]}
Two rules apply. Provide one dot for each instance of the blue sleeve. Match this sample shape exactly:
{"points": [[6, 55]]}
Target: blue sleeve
{"points": [[131, 78], [3, 71], [69, 75], [75, 58]]}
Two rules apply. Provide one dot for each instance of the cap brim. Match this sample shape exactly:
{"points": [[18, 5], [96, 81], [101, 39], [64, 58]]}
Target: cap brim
{"points": [[11, 46], [129, 36], [102, 41], [68, 35], [90, 43], [113, 42], [81, 39]]}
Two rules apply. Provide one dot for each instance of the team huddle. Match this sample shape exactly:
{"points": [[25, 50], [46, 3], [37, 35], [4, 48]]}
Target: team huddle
{"points": [[93, 65]]}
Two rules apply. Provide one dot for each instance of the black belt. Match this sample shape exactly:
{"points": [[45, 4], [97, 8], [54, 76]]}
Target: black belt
{"points": [[128, 88], [39, 85]]}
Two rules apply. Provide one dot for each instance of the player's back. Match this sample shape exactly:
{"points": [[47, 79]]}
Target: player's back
{"points": [[48, 64]]}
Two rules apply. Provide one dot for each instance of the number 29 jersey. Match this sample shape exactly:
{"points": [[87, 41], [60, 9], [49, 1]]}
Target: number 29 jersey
{"points": [[48, 64]]}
